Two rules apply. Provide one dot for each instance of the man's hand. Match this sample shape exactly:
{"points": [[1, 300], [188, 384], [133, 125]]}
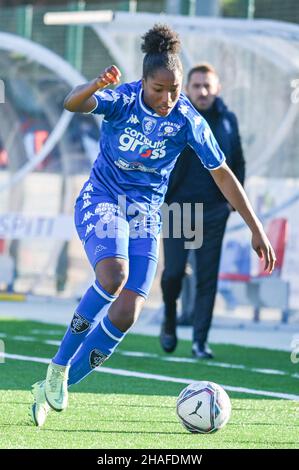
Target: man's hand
{"points": [[110, 76]]}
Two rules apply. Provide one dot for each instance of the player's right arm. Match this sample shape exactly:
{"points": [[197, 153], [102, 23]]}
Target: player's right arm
{"points": [[81, 98]]}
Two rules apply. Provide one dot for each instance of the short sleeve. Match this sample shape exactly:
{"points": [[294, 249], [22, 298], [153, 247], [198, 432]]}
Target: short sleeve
{"points": [[202, 140], [108, 102]]}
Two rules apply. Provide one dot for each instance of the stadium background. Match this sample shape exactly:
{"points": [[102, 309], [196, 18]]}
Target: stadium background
{"points": [[260, 74]]}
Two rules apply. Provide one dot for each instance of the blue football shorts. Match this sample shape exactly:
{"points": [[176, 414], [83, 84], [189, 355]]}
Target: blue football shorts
{"points": [[111, 227]]}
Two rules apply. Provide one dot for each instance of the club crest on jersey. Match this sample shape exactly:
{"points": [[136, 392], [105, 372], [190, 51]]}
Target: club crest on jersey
{"points": [[168, 129], [96, 358], [148, 125], [79, 324]]}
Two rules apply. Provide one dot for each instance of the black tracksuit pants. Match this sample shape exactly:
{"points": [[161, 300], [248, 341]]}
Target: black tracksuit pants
{"points": [[207, 265]]}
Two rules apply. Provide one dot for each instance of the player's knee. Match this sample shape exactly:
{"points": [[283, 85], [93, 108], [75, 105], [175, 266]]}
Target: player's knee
{"points": [[113, 276], [126, 309], [114, 282]]}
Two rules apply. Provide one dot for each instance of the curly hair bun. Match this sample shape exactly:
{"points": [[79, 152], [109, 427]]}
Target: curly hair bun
{"points": [[161, 39]]}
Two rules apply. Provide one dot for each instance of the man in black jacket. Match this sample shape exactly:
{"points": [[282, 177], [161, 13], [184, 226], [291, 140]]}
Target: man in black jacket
{"points": [[190, 183]]}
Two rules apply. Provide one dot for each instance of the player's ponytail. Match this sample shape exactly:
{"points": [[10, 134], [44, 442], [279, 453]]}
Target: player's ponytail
{"points": [[161, 46]]}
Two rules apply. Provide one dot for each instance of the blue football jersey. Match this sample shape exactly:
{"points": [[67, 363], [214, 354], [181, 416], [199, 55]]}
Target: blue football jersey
{"points": [[139, 148]]}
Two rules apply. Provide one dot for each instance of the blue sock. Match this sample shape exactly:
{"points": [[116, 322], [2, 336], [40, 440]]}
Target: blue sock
{"points": [[90, 305], [97, 347]]}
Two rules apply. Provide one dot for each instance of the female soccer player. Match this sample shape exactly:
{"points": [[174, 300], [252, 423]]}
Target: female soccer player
{"points": [[146, 126]]}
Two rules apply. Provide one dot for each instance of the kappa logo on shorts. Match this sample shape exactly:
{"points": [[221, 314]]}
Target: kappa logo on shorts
{"points": [[87, 216], [89, 187], [89, 228], [99, 248], [79, 324], [96, 358], [86, 203]]}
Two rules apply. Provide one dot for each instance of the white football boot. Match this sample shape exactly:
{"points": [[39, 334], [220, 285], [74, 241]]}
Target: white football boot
{"points": [[56, 386], [40, 407]]}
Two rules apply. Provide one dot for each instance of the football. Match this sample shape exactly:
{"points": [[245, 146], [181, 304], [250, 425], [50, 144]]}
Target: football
{"points": [[203, 407]]}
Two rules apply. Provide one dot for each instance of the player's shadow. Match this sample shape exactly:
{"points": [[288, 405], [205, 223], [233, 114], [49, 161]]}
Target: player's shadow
{"points": [[125, 405]]}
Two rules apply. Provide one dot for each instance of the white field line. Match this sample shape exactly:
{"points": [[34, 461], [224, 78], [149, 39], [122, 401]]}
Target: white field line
{"points": [[209, 363], [182, 360], [46, 332], [161, 378], [24, 338]]}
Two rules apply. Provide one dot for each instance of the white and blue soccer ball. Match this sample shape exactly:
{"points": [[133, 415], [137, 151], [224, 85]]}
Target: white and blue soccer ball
{"points": [[203, 407]]}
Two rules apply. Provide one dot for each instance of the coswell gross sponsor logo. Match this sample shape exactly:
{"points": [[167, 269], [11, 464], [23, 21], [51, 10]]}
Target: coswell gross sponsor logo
{"points": [[135, 141]]}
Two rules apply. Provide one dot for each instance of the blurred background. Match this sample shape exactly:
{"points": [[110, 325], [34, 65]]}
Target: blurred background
{"points": [[46, 153]]}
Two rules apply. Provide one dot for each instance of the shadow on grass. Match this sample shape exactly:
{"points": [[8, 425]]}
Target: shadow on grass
{"points": [[113, 431]]}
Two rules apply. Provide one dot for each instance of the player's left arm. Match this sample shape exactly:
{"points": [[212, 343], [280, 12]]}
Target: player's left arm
{"points": [[235, 194]]}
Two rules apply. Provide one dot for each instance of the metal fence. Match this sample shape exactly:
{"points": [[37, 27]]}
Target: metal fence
{"points": [[270, 9], [76, 43]]}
